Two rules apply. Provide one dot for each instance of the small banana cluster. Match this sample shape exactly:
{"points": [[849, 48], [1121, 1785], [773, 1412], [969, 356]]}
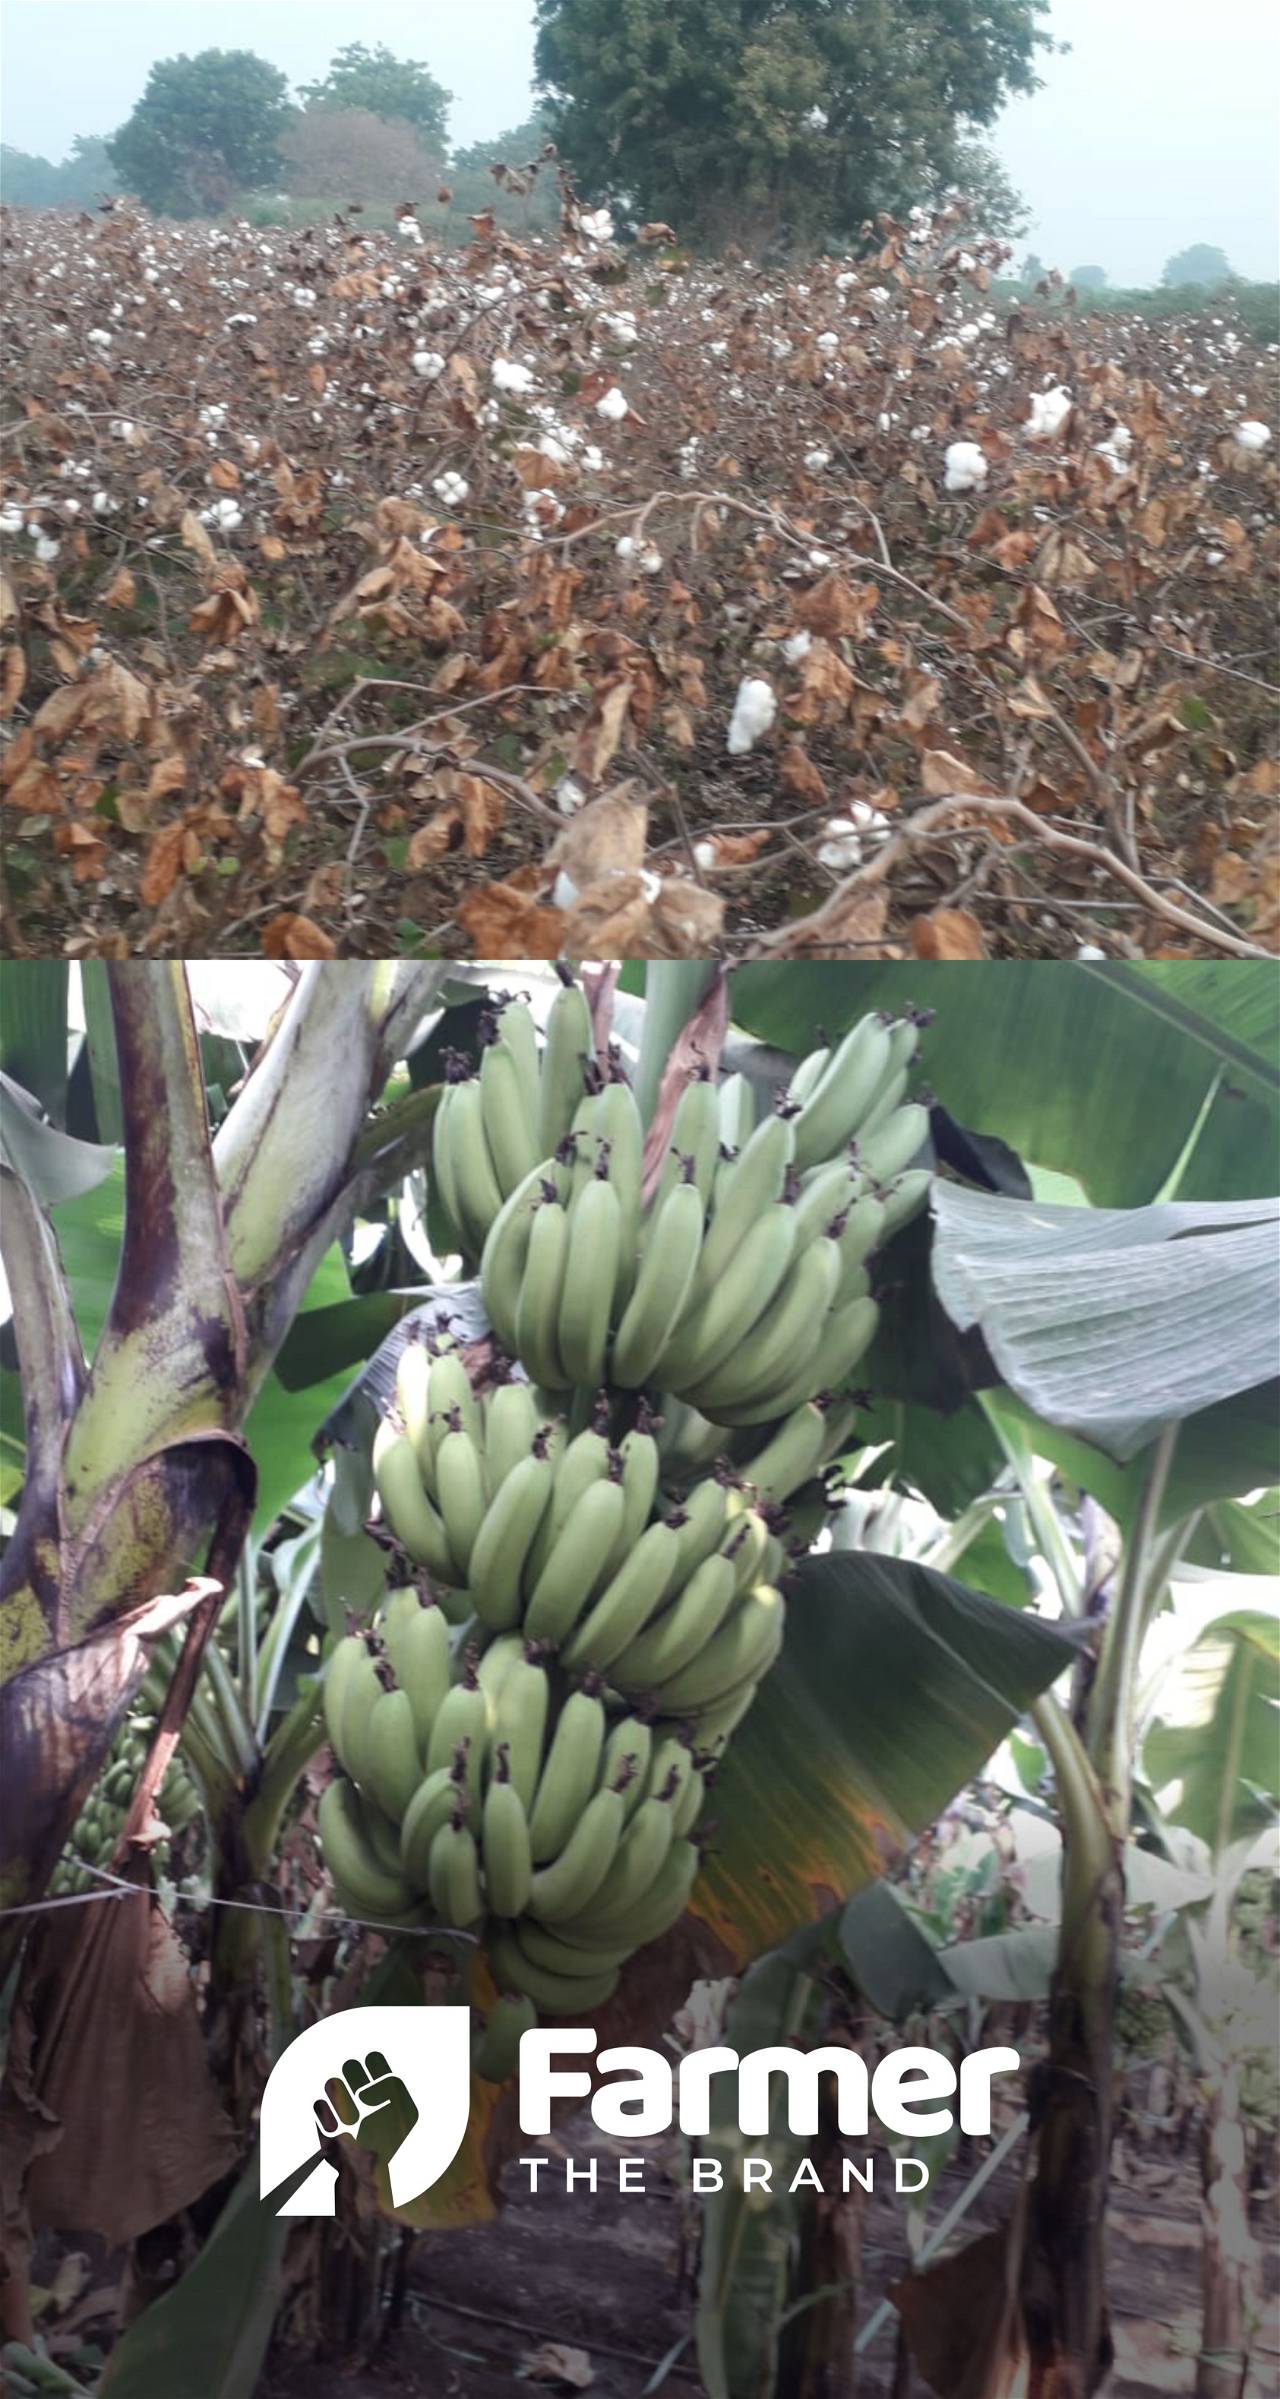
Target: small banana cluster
{"points": [[492, 1128], [742, 1288], [93, 1837], [526, 1752], [494, 1789]]}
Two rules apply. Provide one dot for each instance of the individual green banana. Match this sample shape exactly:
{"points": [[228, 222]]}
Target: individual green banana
{"points": [[577, 1561], [688, 1805], [638, 1451], [393, 1769], [495, 2054], [504, 1842], [552, 1994], [568, 1045], [895, 1144], [629, 1743], [826, 1191], [663, 1284], [405, 1505], [793, 1454], [738, 1651], [454, 1875], [506, 1251], [413, 1397], [848, 1331], [742, 1294], [587, 1293], [715, 1725], [805, 1080], [587, 1459], [451, 1395], [634, 1595], [348, 1657], [695, 1133], [480, 1194], [766, 1358], [520, 1722], [541, 1287], [516, 1031], [687, 1443], [463, 1715], [556, 1953], [752, 1183], [641, 1856], [507, 1530], [569, 1883], [665, 1902], [511, 1426], [886, 1100], [419, 1652], [495, 1665], [621, 1132], [745, 1545], [675, 1637], [433, 1803], [906, 1196], [844, 1092], [699, 1519], [506, 1103], [736, 1108], [442, 1173], [351, 1858], [460, 1484], [568, 1776], [364, 1688]]}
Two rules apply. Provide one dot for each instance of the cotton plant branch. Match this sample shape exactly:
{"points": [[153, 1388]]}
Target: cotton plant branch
{"points": [[943, 815]]}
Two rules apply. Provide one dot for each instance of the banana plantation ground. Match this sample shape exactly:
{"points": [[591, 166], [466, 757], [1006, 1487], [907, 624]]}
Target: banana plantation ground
{"points": [[362, 598]]}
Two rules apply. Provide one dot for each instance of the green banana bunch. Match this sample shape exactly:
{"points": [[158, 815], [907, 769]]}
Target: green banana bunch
{"points": [[95, 1835], [494, 1126]]}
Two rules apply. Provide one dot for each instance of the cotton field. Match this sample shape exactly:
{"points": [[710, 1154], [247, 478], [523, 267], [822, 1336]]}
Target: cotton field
{"points": [[860, 609]]}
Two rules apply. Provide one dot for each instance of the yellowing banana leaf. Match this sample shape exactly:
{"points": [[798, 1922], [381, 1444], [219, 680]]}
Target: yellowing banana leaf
{"points": [[894, 1686]]}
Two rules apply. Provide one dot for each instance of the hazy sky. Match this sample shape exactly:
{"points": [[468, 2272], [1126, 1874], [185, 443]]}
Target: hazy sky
{"points": [[1159, 129]]}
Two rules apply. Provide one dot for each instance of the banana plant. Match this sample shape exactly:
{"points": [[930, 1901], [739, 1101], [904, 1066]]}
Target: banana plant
{"points": [[135, 1457], [1210, 1768]]}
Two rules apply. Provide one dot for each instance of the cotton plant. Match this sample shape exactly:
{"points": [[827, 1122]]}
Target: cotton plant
{"points": [[845, 838], [1049, 413], [966, 466]]}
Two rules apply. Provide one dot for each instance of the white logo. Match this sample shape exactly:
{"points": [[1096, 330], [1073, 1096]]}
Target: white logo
{"points": [[395, 2080]]}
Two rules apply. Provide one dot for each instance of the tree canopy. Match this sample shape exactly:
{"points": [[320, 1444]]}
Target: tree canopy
{"points": [[203, 127], [375, 79], [722, 116], [1088, 279], [1202, 262], [350, 154], [28, 181]]}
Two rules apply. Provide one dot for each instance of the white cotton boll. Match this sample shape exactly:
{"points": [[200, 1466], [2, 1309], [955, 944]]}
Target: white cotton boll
{"points": [[845, 837], [816, 459], [1049, 412], [966, 466], [819, 558], [828, 343], [797, 646], [1251, 435], [818, 119], [451, 488], [704, 855], [46, 549], [650, 560], [71, 508], [593, 458], [597, 225], [1088, 949], [410, 230], [11, 519], [613, 405], [564, 891], [303, 296], [650, 884], [428, 364], [626, 547], [99, 336], [507, 375], [754, 710], [555, 450], [570, 795]]}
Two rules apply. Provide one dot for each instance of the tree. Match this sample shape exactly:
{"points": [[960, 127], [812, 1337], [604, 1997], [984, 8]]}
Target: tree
{"points": [[976, 175], [350, 154], [475, 187], [1201, 263], [390, 87], [1032, 271], [714, 115], [80, 179], [1088, 279], [203, 126]]}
